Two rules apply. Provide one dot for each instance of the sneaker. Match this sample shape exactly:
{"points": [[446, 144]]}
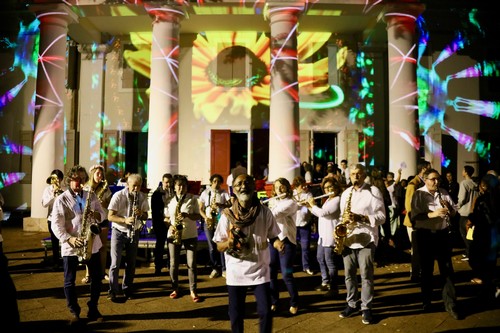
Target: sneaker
{"points": [[224, 274], [308, 272], [106, 277], [293, 310], [465, 259], [214, 274], [323, 287], [348, 311], [367, 317]]}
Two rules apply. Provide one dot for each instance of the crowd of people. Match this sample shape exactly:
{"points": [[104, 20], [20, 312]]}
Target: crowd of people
{"points": [[355, 213]]}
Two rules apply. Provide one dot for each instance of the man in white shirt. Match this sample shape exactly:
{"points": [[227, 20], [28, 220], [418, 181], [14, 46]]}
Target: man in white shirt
{"points": [[468, 191], [362, 206], [243, 232]]}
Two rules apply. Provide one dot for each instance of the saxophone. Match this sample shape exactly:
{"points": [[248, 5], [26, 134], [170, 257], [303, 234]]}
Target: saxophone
{"points": [[102, 190], [214, 211], [342, 229], [135, 203], [88, 231], [178, 225]]}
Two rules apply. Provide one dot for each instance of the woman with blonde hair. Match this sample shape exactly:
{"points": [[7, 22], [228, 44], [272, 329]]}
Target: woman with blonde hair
{"points": [[98, 184]]}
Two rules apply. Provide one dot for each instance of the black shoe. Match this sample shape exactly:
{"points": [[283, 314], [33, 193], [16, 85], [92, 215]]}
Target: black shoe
{"points": [[323, 287], [112, 297], [158, 272], [348, 311], [332, 293], [367, 317], [95, 315], [129, 295]]}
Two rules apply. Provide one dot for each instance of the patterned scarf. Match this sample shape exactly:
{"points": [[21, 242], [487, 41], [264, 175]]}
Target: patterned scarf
{"points": [[243, 217]]}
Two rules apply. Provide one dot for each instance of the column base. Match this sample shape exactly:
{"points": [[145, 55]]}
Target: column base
{"points": [[35, 224]]}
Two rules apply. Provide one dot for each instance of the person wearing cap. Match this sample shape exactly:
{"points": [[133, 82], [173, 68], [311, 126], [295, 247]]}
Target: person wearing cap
{"points": [[51, 192]]}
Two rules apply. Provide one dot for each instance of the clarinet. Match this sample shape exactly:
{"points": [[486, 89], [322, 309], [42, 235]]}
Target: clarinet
{"points": [[443, 204], [134, 208]]}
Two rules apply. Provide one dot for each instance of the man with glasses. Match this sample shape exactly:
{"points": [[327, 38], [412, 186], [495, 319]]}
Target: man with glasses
{"points": [[431, 210], [67, 222]]}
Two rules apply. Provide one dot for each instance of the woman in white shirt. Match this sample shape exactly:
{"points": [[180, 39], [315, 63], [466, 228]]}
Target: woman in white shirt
{"points": [[284, 210], [328, 217]]}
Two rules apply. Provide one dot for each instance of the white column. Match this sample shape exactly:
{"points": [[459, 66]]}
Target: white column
{"points": [[49, 133], [284, 142], [91, 105], [402, 49], [163, 102]]}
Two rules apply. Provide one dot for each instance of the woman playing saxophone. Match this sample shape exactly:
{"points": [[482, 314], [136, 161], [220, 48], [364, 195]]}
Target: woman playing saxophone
{"points": [[183, 210], [98, 185]]}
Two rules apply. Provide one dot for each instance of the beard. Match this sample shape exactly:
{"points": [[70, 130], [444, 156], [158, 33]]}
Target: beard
{"points": [[244, 196]]}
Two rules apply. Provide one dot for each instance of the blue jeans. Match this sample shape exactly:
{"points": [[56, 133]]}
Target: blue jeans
{"points": [[304, 237], [190, 245], [363, 258], [70, 264], [329, 271], [119, 242], [284, 262], [237, 296], [217, 260]]}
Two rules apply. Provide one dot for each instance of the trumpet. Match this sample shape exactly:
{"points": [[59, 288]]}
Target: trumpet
{"points": [[54, 180]]}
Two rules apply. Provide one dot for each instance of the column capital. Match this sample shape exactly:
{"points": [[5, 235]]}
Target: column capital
{"points": [[401, 13], [164, 11], [282, 7], [51, 11], [93, 51]]}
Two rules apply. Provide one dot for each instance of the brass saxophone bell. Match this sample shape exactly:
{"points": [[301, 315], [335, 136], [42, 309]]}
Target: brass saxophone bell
{"points": [[341, 230]]}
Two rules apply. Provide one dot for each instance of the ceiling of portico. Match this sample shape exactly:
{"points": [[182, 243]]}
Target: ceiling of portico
{"points": [[342, 18]]}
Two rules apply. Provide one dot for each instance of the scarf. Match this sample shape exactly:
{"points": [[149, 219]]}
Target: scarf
{"points": [[242, 217]]}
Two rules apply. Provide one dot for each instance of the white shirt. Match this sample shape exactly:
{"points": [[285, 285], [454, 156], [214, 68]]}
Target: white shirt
{"points": [[206, 197], [48, 198], [67, 214], [303, 216], [253, 269], [285, 212], [190, 206], [366, 201], [328, 218], [121, 203]]}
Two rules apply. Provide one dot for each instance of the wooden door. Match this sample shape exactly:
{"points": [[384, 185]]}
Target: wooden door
{"points": [[220, 153]]}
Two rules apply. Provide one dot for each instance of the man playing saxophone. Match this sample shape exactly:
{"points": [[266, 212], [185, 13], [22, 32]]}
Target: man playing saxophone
{"points": [[68, 219], [362, 211], [127, 209], [212, 201]]}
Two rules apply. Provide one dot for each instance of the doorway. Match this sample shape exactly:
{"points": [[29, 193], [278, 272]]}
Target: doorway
{"points": [[324, 148]]}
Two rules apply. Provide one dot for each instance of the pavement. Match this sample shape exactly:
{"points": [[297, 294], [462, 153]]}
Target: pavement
{"points": [[396, 308]]}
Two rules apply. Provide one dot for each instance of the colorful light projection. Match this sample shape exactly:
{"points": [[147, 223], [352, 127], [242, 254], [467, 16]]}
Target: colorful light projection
{"points": [[434, 99]]}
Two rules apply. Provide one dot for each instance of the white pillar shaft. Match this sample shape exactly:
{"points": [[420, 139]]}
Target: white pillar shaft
{"points": [[91, 106], [284, 143], [164, 104], [403, 128], [49, 134]]}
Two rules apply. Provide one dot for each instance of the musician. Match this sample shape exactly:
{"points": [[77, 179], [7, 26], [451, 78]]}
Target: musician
{"points": [[362, 205], [284, 210], [431, 210], [159, 200], [244, 231], [303, 221], [68, 219], [99, 186], [50, 193], [183, 211], [127, 209], [328, 217], [212, 201]]}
